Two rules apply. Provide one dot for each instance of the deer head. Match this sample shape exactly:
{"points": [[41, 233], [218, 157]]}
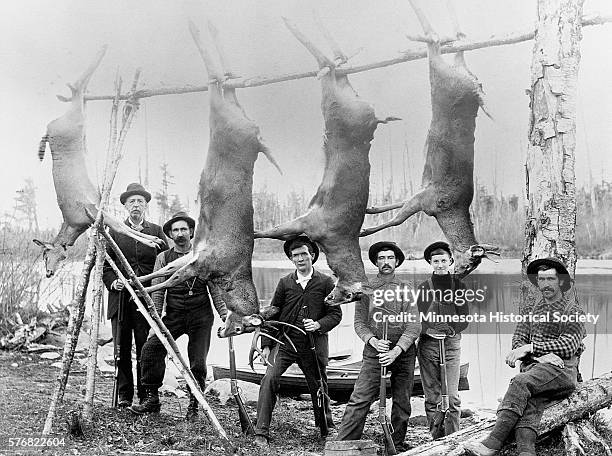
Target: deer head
{"points": [[52, 254]]}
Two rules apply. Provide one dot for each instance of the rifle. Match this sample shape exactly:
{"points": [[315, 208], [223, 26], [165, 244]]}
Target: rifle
{"points": [[438, 430], [245, 422], [382, 404], [322, 397], [117, 350]]}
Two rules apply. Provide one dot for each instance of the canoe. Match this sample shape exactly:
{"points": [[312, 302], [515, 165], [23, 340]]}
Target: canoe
{"points": [[341, 377]]}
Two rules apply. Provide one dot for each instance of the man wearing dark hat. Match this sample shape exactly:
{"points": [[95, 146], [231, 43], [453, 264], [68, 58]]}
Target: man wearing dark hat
{"points": [[436, 297], [549, 351], [397, 351], [122, 311], [188, 311], [300, 298]]}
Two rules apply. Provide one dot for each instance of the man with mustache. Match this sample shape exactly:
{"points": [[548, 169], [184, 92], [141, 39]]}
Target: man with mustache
{"points": [[398, 351], [300, 298], [122, 311], [549, 352], [188, 311]]}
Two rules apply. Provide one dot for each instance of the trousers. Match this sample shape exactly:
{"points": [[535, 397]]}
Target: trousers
{"points": [[367, 389], [429, 365]]}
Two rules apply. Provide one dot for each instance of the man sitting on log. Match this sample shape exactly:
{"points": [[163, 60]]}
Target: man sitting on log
{"points": [[300, 296], [188, 311], [549, 350], [398, 351]]}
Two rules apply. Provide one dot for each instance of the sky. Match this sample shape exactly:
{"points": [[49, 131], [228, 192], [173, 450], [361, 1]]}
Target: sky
{"points": [[44, 45]]}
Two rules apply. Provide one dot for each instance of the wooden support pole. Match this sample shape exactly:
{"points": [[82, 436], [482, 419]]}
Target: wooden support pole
{"points": [[163, 334], [94, 329], [77, 306], [406, 56]]}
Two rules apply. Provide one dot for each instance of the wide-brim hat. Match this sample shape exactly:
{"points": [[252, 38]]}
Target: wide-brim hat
{"points": [[176, 217], [307, 240], [532, 271], [439, 245], [386, 245], [134, 189]]}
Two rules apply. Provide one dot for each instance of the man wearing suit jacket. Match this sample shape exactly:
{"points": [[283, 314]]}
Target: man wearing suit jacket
{"points": [[300, 297], [122, 311]]}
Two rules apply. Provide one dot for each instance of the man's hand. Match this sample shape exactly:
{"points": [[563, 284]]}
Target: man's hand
{"points": [[265, 356], [550, 358], [117, 285], [518, 353], [311, 325], [380, 345], [385, 359]]}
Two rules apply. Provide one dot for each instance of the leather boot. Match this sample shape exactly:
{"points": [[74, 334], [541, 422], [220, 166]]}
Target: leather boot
{"points": [[525, 441], [151, 403], [192, 408]]}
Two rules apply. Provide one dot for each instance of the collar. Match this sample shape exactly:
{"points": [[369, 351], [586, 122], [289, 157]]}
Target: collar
{"points": [[382, 279], [559, 305], [128, 222], [299, 278]]}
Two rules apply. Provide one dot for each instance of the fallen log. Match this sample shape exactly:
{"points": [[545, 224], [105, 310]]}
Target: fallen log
{"points": [[589, 397]]}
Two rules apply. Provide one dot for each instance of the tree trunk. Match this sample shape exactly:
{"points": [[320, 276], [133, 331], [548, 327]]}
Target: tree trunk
{"points": [[550, 229], [589, 397]]}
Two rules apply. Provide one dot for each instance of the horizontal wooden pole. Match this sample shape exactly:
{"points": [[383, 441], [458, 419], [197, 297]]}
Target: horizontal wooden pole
{"points": [[406, 56]]}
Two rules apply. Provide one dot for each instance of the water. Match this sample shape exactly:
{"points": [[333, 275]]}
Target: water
{"points": [[484, 350]]}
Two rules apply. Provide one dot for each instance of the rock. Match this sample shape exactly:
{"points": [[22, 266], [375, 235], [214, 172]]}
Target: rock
{"points": [[221, 389], [14, 365], [57, 364], [50, 355]]}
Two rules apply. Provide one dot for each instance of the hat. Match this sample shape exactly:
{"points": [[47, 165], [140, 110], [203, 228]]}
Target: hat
{"points": [[305, 239], [532, 271], [439, 245], [176, 217], [386, 245], [134, 189]]}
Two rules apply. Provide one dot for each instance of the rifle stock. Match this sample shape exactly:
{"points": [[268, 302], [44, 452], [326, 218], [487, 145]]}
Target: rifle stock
{"points": [[382, 404], [245, 422], [438, 430]]}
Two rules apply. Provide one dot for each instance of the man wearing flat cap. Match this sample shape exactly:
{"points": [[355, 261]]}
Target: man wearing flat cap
{"points": [[549, 352], [122, 311], [397, 351], [188, 311], [300, 298]]}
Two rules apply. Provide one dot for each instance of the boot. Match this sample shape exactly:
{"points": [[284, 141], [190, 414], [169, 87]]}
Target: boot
{"points": [[192, 408], [150, 405], [525, 441]]}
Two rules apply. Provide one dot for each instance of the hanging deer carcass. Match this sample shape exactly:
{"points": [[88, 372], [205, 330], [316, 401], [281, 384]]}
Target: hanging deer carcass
{"points": [[223, 241], [337, 210], [77, 197], [447, 183]]}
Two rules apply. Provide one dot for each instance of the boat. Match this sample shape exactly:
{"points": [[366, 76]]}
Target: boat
{"points": [[341, 376]]}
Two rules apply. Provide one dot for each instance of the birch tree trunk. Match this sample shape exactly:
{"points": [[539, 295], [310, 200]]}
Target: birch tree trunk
{"points": [[550, 180]]}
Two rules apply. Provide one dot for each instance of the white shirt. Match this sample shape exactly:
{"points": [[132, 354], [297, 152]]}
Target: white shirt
{"points": [[303, 279]]}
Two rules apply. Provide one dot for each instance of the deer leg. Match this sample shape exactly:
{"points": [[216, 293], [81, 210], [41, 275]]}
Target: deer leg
{"points": [[320, 57], [169, 269], [188, 271], [120, 227], [409, 208], [381, 209], [285, 231]]}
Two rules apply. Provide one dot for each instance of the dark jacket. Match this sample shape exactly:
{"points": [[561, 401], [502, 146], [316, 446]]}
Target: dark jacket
{"points": [[140, 257], [289, 297], [443, 284]]}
